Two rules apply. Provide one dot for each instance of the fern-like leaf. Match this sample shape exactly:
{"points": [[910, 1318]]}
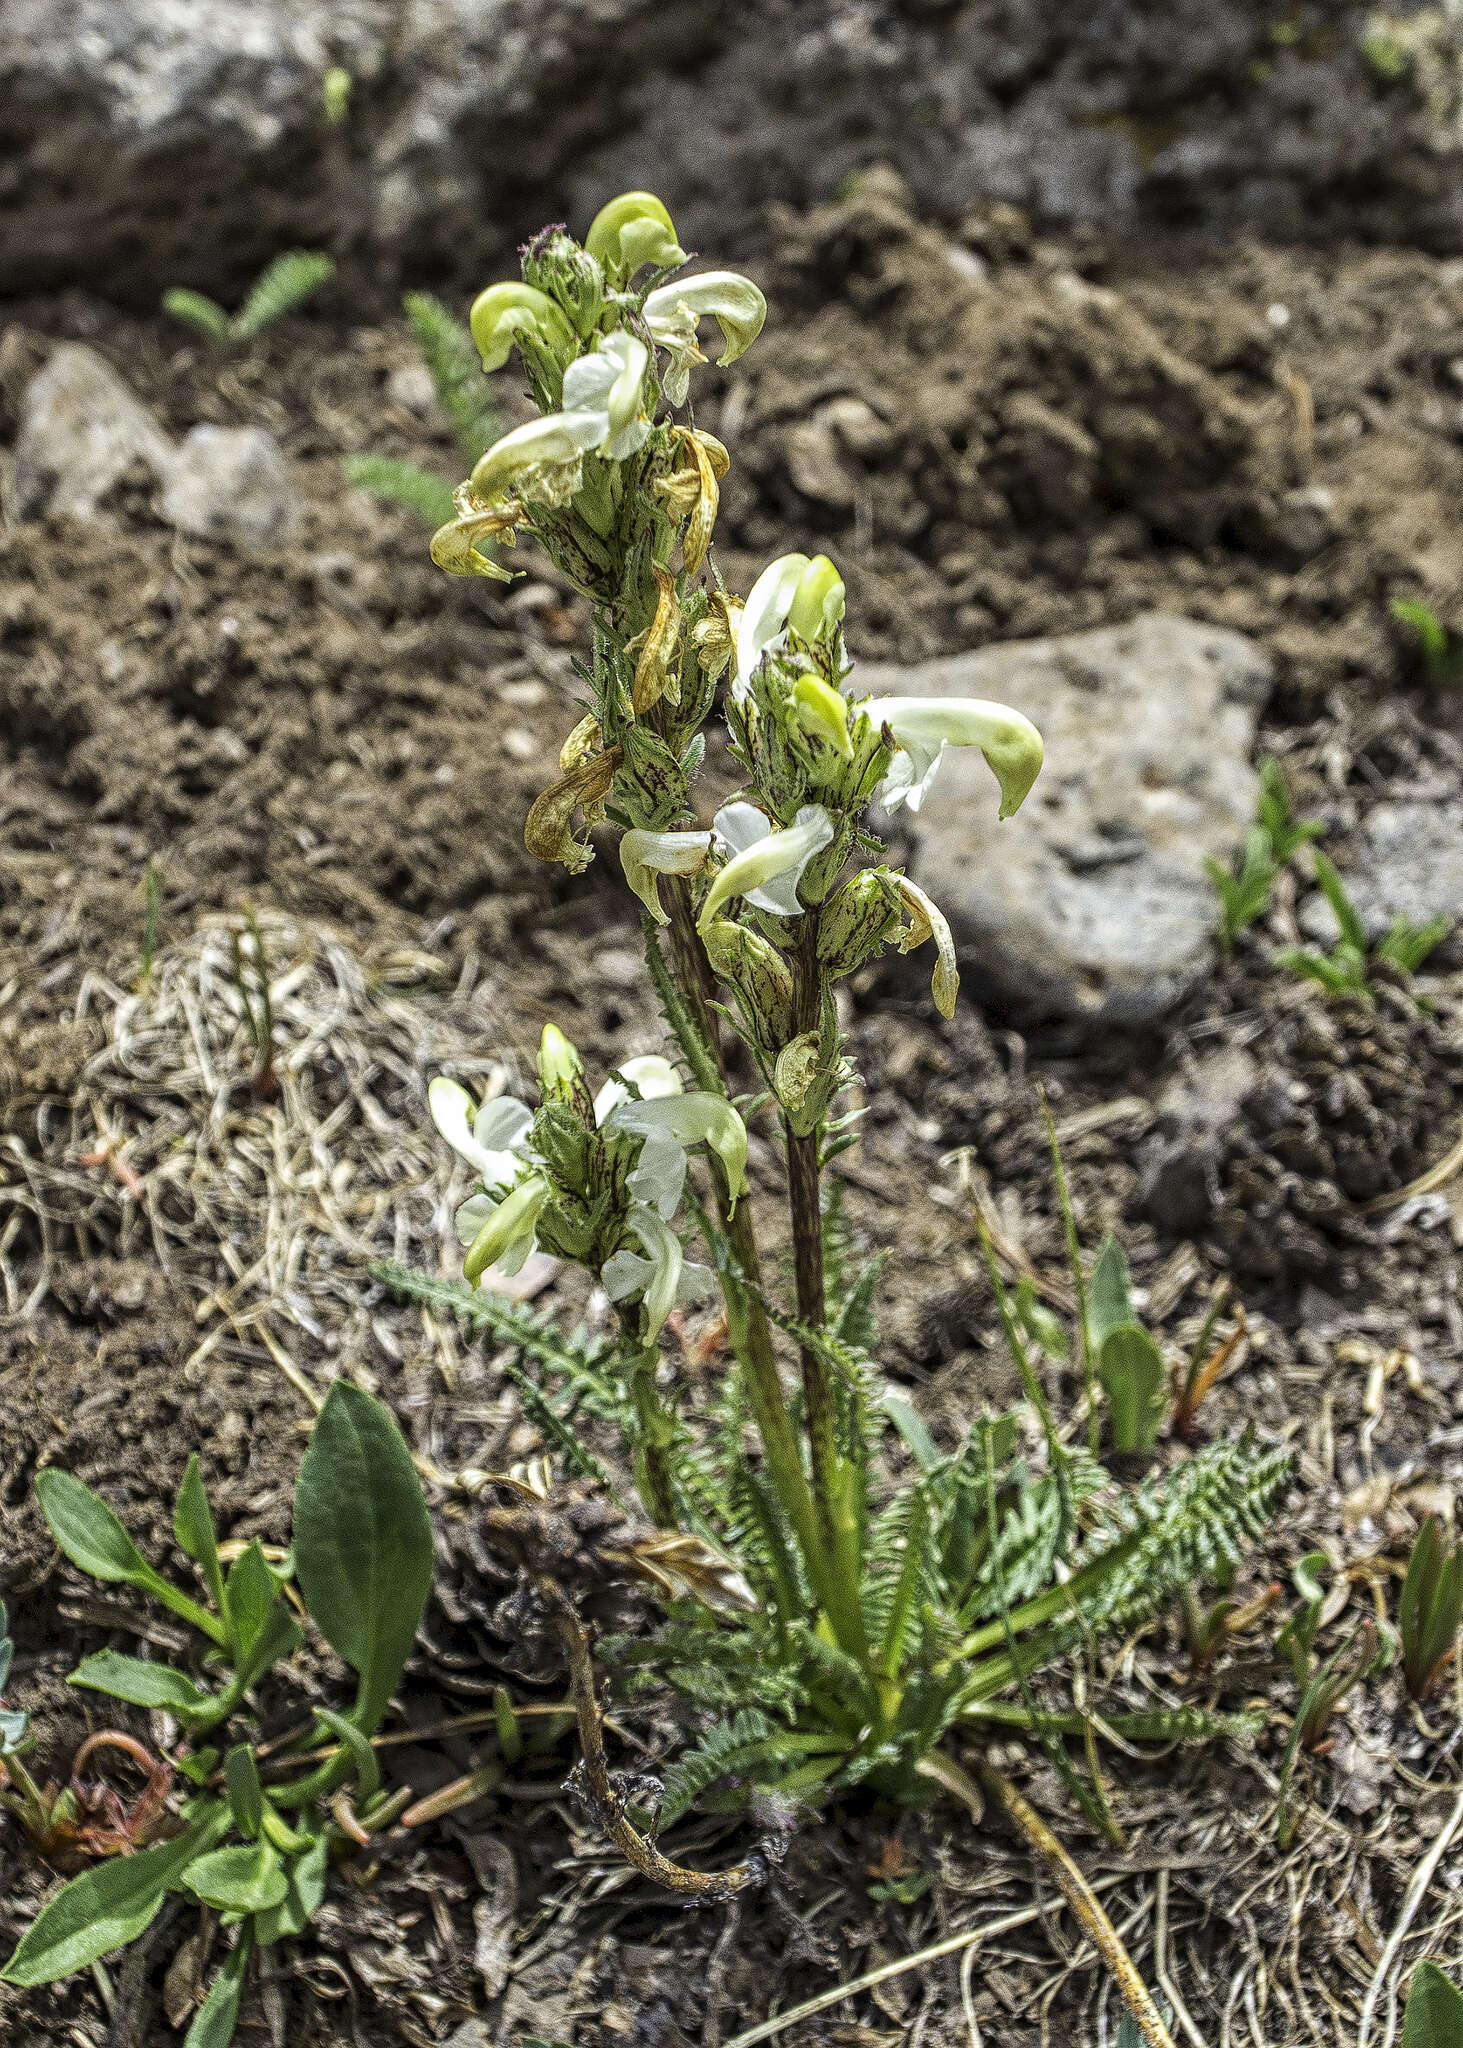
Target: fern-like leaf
{"points": [[456, 370], [281, 286], [195, 309], [404, 484]]}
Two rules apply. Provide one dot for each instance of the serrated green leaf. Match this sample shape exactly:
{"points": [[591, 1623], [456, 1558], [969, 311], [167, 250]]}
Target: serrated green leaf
{"points": [[214, 2022], [1434, 2016], [95, 1541], [110, 1905], [281, 286], [363, 1543], [405, 484], [141, 1684], [246, 1877]]}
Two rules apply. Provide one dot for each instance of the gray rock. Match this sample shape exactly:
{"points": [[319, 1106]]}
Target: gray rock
{"points": [[155, 142], [232, 483], [1410, 864], [1092, 903], [80, 430]]}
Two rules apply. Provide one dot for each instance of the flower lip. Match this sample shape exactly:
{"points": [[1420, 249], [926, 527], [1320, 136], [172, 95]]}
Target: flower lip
{"points": [[672, 313], [645, 856], [766, 866], [491, 1137], [924, 726]]}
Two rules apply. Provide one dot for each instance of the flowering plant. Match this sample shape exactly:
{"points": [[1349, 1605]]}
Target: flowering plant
{"points": [[879, 1615]]}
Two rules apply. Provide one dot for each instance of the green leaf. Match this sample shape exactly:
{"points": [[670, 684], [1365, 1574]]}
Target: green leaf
{"points": [[279, 1637], [246, 1795], [405, 484], [1130, 1366], [1434, 2016], [96, 1543], [194, 1529], [250, 1596], [368, 1768], [1331, 886], [305, 1879], [198, 311], [141, 1684], [247, 1877], [110, 1905], [214, 2022], [284, 284], [912, 1430], [363, 1543], [1109, 1294]]}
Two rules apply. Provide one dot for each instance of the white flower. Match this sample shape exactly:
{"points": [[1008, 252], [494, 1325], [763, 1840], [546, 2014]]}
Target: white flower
{"points": [[766, 866], [601, 413], [606, 386], [791, 592], [506, 1235], [673, 311], [697, 1118], [924, 726], [665, 1278], [491, 1138], [647, 855]]}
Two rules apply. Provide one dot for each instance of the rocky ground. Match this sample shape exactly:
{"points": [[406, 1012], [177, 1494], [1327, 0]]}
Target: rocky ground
{"points": [[1161, 504]]}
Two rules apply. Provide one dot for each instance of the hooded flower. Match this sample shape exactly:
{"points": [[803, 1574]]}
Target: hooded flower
{"points": [[766, 866], [792, 592], [601, 414], [924, 726], [674, 311]]}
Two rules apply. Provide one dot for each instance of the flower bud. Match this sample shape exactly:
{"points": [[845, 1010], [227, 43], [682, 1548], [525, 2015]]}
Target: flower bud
{"points": [[817, 604], [561, 1073], [509, 313], [508, 1232], [822, 713], [757, 971], [631, 231], [555, 263]]}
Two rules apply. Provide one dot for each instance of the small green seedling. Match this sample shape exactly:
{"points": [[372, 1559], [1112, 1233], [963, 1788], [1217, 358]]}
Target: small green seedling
{"points": [[1431, 1609], [1324, 1683], [1244, 890], [1434, 2015], [451, 357], [282, 286], [1349, 966], [252, 1843], [1439, 650], [1128, 1361]]}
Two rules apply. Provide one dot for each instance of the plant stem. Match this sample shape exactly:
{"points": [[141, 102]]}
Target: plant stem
{"points": [[1078, 1893], [657, 1426], [685, 998]]}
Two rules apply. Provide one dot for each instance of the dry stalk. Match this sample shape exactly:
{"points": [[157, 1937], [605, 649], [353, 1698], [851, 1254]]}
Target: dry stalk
{"points": [[608, 1802], [1075, 1888]]}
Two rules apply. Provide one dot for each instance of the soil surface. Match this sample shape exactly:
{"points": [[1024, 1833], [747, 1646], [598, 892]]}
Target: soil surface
{"points": [[344, 742]]}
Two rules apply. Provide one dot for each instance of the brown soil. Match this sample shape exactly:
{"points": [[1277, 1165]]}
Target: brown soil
{"points": [[996, 436]]}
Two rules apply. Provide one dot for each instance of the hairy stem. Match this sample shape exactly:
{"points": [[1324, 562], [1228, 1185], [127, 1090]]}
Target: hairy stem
{"points": [[684, 997]]}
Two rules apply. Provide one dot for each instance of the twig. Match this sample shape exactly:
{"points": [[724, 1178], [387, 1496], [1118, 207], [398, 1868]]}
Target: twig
{"points": [[607, 1802], [1078, 1893], [1422, 1878]]}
